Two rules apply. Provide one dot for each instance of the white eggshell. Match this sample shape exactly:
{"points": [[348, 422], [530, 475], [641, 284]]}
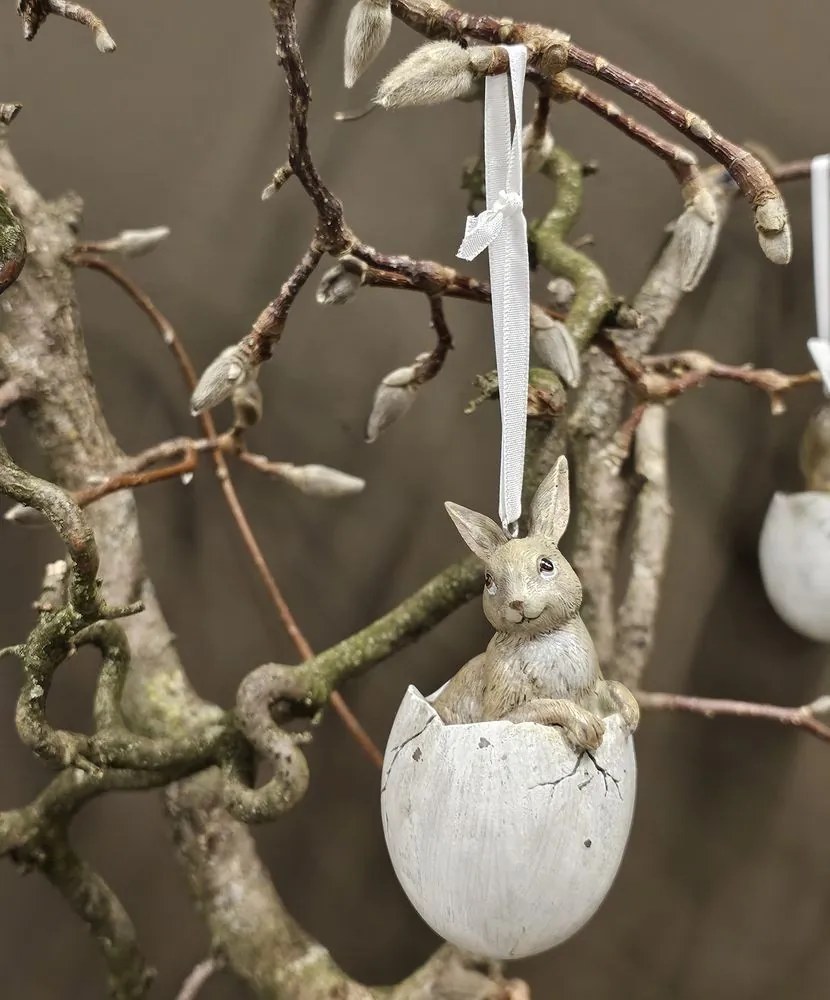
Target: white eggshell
{"points": [[503, 837], [794, 553]]}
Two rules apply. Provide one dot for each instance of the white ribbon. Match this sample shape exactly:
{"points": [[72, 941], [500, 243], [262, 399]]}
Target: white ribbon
{"points": [[819, 346], [502, 228]]}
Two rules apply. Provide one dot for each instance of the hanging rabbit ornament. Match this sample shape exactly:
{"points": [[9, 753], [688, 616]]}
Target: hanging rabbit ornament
{"points": [[795, 540], [507, 796]]}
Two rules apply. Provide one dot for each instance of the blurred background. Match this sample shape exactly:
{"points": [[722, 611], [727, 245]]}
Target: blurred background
{"points": [[723, 892]]}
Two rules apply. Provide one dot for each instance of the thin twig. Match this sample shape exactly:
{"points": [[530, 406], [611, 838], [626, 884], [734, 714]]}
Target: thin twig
{"points": [[198, 976], [171, 339], [666, 376], [801, 717], [433, 364]]}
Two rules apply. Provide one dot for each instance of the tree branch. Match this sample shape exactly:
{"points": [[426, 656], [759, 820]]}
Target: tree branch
{"points": [[802, 717], [652, 524]]}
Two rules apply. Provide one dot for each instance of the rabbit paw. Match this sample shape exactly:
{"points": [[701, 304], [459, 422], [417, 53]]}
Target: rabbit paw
{"points": [[583, 730], [625, 703]]}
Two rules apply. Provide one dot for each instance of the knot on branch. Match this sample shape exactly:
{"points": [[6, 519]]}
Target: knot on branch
{"points": [[550, 50], [269, 691]]}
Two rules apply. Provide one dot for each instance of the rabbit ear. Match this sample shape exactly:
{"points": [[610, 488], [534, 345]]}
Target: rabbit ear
{"points": [[551, 506], [481, 533]]}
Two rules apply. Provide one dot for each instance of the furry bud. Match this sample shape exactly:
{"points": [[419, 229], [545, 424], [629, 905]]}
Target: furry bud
{"points": [[367, 31], [104, 40], [695, 239], [432, 74], [773, 226], [27, 516], [555, 346], [134, 242], [536, 148], [340, 283], [231, 369], [8, 112], [320, 480], [247, 404], [393, 398]]}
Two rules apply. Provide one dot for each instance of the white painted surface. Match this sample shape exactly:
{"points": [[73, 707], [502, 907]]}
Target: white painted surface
{"points": [[505, 840], [795, 561]]}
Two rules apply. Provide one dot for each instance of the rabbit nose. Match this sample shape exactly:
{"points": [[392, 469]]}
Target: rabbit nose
{"points": [[518, 606]]}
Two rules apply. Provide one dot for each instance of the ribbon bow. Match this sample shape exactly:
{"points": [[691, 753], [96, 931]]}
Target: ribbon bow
{"points": [[819, 346], [502, 228]]}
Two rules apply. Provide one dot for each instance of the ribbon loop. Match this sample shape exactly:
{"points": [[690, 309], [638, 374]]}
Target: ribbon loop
{"points": [[819, 346], [502, 229]]}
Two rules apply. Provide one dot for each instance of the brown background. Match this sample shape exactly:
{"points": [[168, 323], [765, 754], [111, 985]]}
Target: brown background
{"points": [[724, 890]]}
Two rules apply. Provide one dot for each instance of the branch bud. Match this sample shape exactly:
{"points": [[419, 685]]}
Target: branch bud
{"points": [[393, 398], [773, 226], [367, 31], [555, 346], [320, 480], [340, 283], [104, 40], [228, 371], [433, 73], [135, 242], [695, 240], [247, 404], [536, 148], [8, 112], [27, 516]]}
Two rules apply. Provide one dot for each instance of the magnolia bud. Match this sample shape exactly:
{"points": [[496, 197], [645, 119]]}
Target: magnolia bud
{"points": [[367, 31], [436, 72], [695, 239], [555, 346], [220, 378], [536, 148], [8, 112], [247, 404], [773, 227], [104, 40], [28, 516], [281, 175], [134, 242], [393, 397], [340, 283], [320, 480]]}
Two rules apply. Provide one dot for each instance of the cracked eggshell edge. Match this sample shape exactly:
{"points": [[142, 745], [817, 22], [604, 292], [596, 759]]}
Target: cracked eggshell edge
{"points": [[505, 839]]}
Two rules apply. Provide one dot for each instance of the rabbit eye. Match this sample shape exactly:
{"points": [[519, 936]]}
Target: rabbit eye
{"points": [[546, 567], [489, 583]]}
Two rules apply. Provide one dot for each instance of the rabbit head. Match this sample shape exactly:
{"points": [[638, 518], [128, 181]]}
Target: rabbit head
{"points": [[529, 586]]}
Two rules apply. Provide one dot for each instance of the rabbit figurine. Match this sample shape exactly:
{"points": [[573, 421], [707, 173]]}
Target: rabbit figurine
{"points": [[541, 665]]}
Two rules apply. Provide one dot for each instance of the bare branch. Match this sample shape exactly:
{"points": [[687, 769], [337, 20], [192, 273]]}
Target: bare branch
{"points": [[666, 376], [551, 52], [129, 975], [35, 12], [638, 610], [801, 717]]}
